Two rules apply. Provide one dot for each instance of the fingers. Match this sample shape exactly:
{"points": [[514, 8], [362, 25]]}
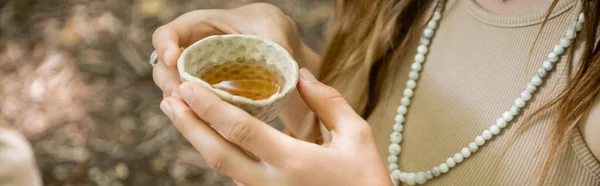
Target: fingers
{"points": [[167, 79], [166, 42], [328, 104], [235, 124], [218, 153]]}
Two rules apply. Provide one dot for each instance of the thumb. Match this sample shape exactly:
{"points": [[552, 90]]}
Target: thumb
{"points": [[327, 103]]}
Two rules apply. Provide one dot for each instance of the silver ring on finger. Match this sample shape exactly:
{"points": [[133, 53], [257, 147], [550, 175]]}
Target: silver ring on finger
{"points": [[154, 58]]}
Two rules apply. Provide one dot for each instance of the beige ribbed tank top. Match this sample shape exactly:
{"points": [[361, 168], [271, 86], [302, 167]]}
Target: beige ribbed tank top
{"points": [[476, 67]]}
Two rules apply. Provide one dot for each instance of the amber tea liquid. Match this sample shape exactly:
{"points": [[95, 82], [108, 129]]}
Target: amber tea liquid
{"points": [[250, 79]]}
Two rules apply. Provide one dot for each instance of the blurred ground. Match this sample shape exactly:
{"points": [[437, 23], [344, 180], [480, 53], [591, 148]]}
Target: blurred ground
{"points": [[74, 79]]}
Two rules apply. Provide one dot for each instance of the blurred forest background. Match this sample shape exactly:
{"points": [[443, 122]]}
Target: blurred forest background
{"points": [[75, 79]]}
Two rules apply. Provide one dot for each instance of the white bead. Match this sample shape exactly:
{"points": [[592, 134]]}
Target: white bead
{"points": [[416, 67], [425, 41], [392, 159], [398, 127], [450, 162], [570, 33], [558, 49], [473, 147], [399, 119], [394, 181], [419, 58], [394, 149], [507, 116], [548, 65], [422, 49], [396, 137], [565, 42], [444, 168], [495, 130], [501, 123], [581, 17], [519, 103], [536, 80], [436, 171], [410, 179], [458, 158], [479, 140], [465, 152], [486, 134], [552, 55], [531, 88], [578, 26], [413, 75], [420, 178], [403, 176], [436, 16], [408, 92], [402, 110], [428, 32], [428, 175], [405, 101], [514, 110], [411, 84], [392, 167], [396, 174], [542, 72], [432, 24]]}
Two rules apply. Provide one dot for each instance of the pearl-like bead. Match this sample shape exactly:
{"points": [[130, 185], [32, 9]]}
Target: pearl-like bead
{"points": [[473, 147], [428, 32], [394, 149], [514, 110], [392, 159], [419, 58], [486, 134], [536, 80], [411, 84], [581, 17], [403, 176], [425, 41], [458, 158], [507, 116], [399, 119], [405, 101], [428, 175], [552, 57], [570, 33], [479, 140], [519, 103], [531, 88], [408, 92], [395, 137], [402, 109], [500, 122], [444, 168], [398, 127], [420, 178], [436, 171], [410, 179], [416, 67], [450, 162], [436, 16], [495, 130], [542, 72], [413, 75], [396, 174], [465, 152], [578, 26], [548, 65], [432, 24], [392, 167], [422, 49], [558, 49], [565, 42]]}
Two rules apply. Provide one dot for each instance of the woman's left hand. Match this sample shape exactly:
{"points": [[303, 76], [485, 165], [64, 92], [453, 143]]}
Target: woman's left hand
{"points": [[350, 159]]}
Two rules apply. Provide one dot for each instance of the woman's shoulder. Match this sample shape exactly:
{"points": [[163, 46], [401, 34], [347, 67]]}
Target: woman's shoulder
{"points": [[589, 126]]}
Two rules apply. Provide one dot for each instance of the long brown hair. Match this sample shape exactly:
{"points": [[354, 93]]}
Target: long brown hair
{"points": [[366, 36]]}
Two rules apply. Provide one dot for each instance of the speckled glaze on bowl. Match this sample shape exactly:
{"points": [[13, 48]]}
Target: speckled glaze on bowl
{"points": [[223, 48]]}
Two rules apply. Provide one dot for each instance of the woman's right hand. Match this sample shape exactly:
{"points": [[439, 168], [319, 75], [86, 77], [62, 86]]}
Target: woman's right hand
{"points": [[259, 19]]}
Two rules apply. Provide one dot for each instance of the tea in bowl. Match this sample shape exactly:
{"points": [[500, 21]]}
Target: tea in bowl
{"points": [[250, 72]]}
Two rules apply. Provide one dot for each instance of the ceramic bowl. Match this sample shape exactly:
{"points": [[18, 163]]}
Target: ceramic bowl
{"points": [[219, 49]]}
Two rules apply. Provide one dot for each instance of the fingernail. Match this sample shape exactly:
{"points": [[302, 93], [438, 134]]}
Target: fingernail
{"points": [[165, 106], [167, 56], [186, 93], [306, 75]]}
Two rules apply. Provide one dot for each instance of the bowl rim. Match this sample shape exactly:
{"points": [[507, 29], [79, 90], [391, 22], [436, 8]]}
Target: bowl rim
{"points": [[288, 88]]}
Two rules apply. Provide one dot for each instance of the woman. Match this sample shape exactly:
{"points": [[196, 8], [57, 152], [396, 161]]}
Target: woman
{"points": [[427, 75]]}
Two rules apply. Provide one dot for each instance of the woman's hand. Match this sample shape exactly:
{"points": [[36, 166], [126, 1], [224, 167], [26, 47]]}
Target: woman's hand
{"points": [[259, 19], [350, 159]]}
